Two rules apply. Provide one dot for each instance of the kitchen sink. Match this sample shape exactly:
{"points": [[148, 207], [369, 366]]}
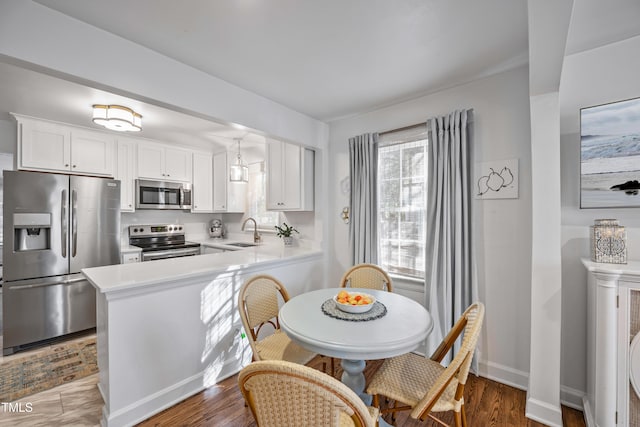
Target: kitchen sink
{"points": [[241, 244]]}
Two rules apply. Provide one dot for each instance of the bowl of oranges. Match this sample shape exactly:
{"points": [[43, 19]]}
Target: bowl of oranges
{"points": [[354, 302]]}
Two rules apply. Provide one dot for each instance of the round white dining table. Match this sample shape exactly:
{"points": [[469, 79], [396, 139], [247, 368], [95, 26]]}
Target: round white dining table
{"points": [[402, 329]]}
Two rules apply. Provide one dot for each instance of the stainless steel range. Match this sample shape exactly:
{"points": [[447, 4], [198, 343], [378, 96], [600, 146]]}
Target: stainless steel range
{"points": [[161, 241]]}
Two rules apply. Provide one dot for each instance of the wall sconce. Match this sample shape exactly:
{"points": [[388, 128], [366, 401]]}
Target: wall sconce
{"points": [[608, 242], [117, 117], [345, 214]]}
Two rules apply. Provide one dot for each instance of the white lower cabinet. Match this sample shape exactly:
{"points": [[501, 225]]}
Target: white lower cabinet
{"points": [[130, 257], [613, 344], [204, 250]]}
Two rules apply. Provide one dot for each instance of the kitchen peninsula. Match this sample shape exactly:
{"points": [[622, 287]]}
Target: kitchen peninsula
{"points": [[168, 329]]}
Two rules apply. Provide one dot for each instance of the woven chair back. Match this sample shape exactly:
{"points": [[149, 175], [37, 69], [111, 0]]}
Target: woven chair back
{"points": [[284, 394], [258, 305], [369, 276], [458, 369]]}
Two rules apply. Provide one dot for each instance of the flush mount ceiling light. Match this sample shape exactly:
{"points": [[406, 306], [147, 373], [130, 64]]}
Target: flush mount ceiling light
{"points": [[117, 117], [239, 172]]}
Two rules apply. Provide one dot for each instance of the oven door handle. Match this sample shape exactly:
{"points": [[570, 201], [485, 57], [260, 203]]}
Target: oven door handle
{"points": [[173, 252]]}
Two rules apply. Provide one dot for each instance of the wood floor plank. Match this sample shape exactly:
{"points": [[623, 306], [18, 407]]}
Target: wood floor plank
{"points": [[487, 403]]}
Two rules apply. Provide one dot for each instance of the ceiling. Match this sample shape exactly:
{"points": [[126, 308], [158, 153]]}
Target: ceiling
{"points": [[328, 59]]}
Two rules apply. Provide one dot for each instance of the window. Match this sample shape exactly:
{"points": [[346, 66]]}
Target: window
{"points": [[402, 202], [257, 196]]}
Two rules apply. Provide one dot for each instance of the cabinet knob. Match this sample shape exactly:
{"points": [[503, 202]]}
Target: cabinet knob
{"points": [[66, 165], [129, 204], [74, 166]]}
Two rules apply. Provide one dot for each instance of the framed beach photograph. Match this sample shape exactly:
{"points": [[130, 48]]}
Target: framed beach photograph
{"points": [[610, 155]]}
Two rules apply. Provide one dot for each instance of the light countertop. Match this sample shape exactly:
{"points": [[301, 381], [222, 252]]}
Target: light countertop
{"points": [[118, 277]]}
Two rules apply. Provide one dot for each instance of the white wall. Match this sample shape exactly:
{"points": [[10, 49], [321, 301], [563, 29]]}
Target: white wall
{"points": [[8, 136], [598, 76], [502, 131]]}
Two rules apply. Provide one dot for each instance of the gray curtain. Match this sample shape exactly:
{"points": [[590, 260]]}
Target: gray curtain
{"points": [[449, 267], [363, 232]]}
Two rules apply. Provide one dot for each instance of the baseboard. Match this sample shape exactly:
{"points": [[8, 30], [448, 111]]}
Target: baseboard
{"points": [[163, 399], [152, 404], [503, 374], [570, 397], [588, 413], [543, 412]]}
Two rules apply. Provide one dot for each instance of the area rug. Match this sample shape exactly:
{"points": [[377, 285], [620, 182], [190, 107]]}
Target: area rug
{"points": [[59, 364]]}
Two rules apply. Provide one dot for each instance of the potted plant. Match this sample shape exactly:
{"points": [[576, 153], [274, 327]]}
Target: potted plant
{"points": [[285, 231]]}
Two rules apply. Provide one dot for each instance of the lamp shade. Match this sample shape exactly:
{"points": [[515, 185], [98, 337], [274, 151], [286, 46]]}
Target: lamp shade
{"points": [[239, 172], [117, 117]]}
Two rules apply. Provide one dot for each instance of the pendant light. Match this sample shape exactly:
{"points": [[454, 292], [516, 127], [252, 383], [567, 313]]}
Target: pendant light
{"points": [[238, 172]]}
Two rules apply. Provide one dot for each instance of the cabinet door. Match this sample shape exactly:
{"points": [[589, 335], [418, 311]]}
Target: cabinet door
{"points": [[292, 178], [202, 183], [177, 164], [220, 179], [92, 152], [209, 250], [43, 146], [125, 172], [274, 174], [151, 161], [130, 257]]}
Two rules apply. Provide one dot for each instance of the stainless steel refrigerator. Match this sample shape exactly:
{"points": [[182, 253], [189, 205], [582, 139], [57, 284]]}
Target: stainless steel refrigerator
{"points": [[54, 226]]}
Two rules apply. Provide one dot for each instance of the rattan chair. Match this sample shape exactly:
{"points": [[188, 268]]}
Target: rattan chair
{"points": [[423, 385], [369, 276], [284, 394], [258, 306]]}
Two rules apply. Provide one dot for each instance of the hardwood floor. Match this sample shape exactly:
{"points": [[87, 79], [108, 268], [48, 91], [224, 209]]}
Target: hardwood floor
{"points": [[488, 403]]}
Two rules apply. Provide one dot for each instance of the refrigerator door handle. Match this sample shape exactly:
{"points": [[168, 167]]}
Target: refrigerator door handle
{"points": [[74, 223], [51, 283], [64, 224]]}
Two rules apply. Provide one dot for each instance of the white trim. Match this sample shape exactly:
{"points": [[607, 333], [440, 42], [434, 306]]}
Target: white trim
{"points": [[570, 397], [503, 374], [543, 412], [589, 419]]}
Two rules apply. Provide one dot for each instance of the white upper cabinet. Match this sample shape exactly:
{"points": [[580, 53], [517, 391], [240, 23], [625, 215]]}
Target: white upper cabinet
{"points": [[125, 172], [92, 152], [227, 196], [157, 161], [53, 147], [290, 171], [202, 182]]}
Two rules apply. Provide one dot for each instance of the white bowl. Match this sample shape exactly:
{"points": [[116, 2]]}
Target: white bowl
{"points": [[355, 308]]}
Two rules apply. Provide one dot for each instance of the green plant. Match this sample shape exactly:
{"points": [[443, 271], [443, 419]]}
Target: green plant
{"points": [[285, 230]]}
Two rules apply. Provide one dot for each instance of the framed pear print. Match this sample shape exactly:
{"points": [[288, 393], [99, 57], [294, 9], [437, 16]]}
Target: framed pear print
{"points": [[496, 179]]}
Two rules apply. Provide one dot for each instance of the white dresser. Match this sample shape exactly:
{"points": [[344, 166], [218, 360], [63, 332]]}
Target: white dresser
{"points": [[613, 344]]}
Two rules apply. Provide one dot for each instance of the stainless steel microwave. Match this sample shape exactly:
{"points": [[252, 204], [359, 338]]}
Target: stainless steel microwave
{"points": [[163, 194]]}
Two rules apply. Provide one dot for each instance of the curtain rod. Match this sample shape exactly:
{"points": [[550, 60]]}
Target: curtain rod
{"points": [[403, 128], [425, 123]]}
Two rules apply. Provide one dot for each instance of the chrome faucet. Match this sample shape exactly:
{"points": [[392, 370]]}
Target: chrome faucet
{"points": [[256, 235]]}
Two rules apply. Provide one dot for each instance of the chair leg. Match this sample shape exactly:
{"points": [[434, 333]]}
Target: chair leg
{"points": [[457, 418], [333, 367], [463, 415]]}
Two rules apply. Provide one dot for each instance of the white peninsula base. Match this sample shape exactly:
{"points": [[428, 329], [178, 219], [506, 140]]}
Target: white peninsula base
{"points": [[168, 329]]}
